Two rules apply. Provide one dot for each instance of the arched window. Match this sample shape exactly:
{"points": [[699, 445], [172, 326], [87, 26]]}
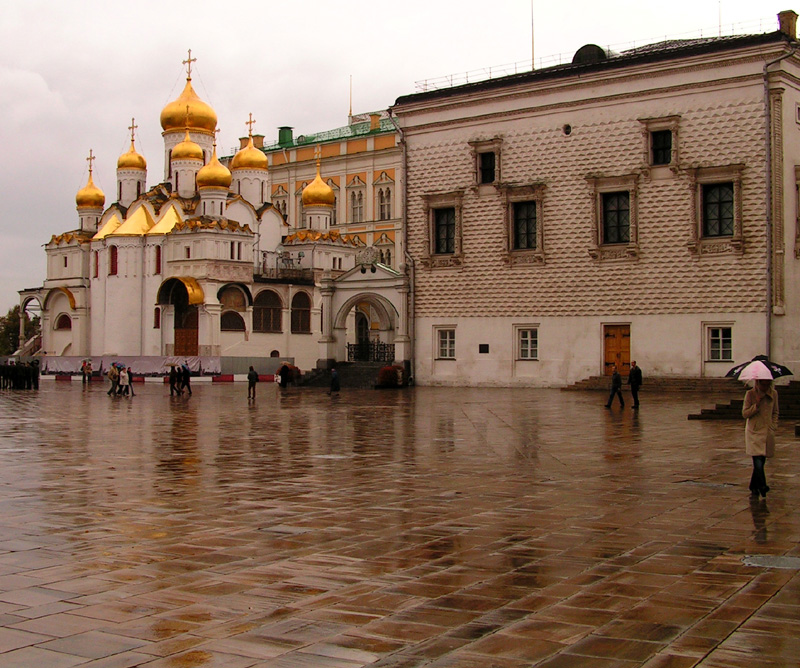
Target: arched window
{"points": [[233, 299], [231, 322], [158, 260], [267, 310], [157, 318], [275, 353], [301, 313], [64, 322], [112, 260], [96, 264]]}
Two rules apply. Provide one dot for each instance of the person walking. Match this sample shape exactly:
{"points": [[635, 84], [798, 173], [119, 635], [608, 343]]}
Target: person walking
{"points": [[113, 376], [635, 381], [130, 381], [760, 409], [186, 378], [335, 384], [123, 381], [252, 379], [174, 379], [616, 388]]}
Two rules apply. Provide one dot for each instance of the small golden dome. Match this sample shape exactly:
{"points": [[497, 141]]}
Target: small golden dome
{"points": [[90, 196], [187, 150], [131, 160], [318, 193], [249, 158], [214, 174], [201, 116]]}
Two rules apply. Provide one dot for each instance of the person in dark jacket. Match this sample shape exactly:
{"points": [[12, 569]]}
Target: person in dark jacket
{"points": [[252, 379], [616, 388], [635, 381], [335, 385], [186, 378], [174, 379]]}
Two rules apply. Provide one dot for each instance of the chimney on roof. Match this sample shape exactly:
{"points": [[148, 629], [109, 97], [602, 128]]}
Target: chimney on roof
{"points": [[787, 23], [374, 122], [258, 141]]}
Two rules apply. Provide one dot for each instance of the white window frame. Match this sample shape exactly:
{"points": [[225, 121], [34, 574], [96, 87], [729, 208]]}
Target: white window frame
{"points": [[440, 332], [710, 329], [519, 331]]}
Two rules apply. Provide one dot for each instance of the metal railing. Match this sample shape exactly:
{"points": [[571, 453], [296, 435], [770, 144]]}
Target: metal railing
{"points": [[372, 351]]}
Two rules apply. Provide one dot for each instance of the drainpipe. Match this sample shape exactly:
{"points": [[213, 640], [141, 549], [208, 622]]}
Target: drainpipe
{"points": [[768, 152], [408, 258]]}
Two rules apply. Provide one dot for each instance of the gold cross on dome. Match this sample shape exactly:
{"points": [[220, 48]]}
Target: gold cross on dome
{"points": [[132, 127], [250, 123], [188, 62], [90, 160], [318, 153]]}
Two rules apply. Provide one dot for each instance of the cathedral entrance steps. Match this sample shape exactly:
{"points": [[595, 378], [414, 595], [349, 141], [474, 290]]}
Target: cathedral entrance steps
{"points": [[654, 384], [354, 375]]}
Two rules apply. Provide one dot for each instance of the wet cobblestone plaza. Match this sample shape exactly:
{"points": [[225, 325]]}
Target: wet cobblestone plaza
{"points": [[427, 527]]}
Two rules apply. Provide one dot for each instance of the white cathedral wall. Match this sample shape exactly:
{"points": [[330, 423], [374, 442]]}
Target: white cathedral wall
{"points": [[571, 348]]}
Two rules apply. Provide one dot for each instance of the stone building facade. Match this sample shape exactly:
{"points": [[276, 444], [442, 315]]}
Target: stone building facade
{"points": [[566, 220]]}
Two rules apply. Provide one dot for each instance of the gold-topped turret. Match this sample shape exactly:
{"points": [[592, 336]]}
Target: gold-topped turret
{"points": [[90, 196], [131, 159], [249, 157], [204, 118], [214, 174], [318, 193]]}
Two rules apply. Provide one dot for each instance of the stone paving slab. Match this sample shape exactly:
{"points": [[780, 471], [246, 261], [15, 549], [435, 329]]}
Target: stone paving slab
{"points": [[498, 528]]}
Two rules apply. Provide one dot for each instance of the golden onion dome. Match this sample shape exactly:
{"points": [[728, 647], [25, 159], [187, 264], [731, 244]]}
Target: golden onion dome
{"points": [[249, 158], [214, 174], [318, 193], [187, 150], [201, 115], [131, 160], [90, 196]]}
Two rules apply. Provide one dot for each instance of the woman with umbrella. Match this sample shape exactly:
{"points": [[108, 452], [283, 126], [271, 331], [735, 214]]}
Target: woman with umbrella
{"points": [[761, 412]]}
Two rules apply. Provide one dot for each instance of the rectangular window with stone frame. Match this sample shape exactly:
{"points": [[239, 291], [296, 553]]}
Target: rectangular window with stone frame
{"points": [[616, 218], [525, 236], [444, 223], [661, 147], [718, 211]]}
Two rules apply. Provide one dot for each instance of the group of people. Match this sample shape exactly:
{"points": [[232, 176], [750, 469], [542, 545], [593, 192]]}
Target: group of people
{"points": [[634, 380], [19, 375], [121, 381], [180, 380]]}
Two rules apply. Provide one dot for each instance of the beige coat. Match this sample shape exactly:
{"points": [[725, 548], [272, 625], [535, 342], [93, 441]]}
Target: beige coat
{"points": [[762, 420]]}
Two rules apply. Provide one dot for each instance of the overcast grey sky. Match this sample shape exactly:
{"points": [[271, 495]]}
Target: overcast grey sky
{"points": [[73, 73]]}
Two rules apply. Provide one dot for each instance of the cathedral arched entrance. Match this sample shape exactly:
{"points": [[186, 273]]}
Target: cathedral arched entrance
{"points": [[179, 298], [365, 317]]}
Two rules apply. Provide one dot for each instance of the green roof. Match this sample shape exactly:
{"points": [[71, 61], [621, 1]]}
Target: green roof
{"points": [[338, 134]]}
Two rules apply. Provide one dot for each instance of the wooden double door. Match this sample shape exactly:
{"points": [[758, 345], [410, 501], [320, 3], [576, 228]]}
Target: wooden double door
{"points": [[617, 348]]}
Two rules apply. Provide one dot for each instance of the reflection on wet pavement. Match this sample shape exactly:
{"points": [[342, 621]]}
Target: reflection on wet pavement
{"points": [[430, 527]]}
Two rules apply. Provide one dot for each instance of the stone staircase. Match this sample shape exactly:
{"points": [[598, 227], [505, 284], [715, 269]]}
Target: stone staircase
{"points": [[653, 384], [788, 402], [355, 375]]}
